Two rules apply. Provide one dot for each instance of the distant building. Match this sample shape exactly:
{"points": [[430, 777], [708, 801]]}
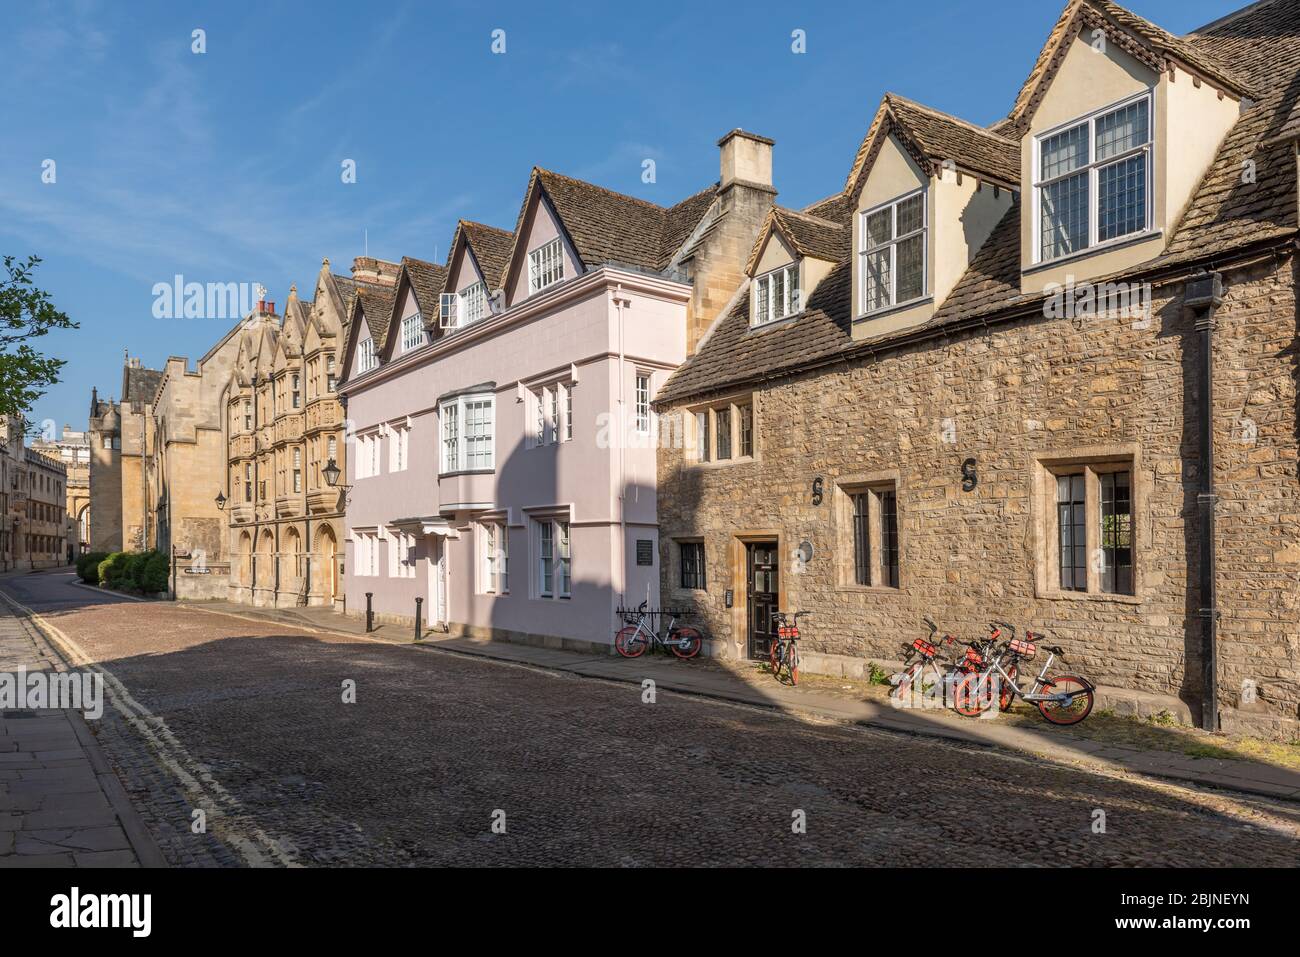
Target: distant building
{"points": [[121, 441], [34, 526], [73, 450]]}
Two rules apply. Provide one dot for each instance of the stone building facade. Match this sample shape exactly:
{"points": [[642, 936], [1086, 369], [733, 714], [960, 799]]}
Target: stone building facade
{"points": [[284, 422], [1002, 452], [35, 528], [72, 448], [121, 435]]}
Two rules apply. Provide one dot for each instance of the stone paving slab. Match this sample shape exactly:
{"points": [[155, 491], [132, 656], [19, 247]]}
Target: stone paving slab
{"points": [[57, 805]]}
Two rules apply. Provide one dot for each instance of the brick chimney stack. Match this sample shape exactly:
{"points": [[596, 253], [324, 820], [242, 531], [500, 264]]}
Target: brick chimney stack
{"points": [[379, 272]]}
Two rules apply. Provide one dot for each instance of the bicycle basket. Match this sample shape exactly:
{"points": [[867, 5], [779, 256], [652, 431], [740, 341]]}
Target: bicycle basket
{"points": [[1025, 649], [973, 657], [926, 648], [788, 631]]}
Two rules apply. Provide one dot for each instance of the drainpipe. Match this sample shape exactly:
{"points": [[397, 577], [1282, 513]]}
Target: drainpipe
{"points": [[1202, 295], [619, 303]]}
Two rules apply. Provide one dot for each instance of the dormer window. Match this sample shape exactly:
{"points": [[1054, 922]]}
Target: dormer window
{"points": [[368, 359], [545, 266], [473, 303], [1093, 180], [776, 294], [892, 253], [412, 332]]}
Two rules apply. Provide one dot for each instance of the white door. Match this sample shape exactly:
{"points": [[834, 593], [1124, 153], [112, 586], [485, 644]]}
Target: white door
{"points": [[438, 583]]}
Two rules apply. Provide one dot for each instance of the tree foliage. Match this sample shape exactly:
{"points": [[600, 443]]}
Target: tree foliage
{"points": [[26, 313]]}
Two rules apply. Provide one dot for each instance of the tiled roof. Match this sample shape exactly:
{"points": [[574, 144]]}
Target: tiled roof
{"points": [[427, 279], [1262, 42], [491, 248], [936, 137], [609, 227], [838, 208], [734, 352], [809, 236], [140, 385], [1154, 46], [1226, 214], [376, 304]]}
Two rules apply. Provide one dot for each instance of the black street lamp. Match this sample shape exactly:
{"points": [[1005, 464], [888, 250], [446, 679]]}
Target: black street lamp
{"points": [[332, 472], [221, 501]]}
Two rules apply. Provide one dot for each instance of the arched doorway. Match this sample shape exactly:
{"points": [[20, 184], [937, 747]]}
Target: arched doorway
{"points": [[245, 569], [293, 550], [266, 560], [83, 529], [325, 566]]}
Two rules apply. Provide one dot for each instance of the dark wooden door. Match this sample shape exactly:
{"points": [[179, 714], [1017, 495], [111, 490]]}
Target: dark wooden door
{"points": [[762, 591]]}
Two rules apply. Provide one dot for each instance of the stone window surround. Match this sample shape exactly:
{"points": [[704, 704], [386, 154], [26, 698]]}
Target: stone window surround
{"points": [[1091, 460], [845, 487], [675, 564], [691, 434]]}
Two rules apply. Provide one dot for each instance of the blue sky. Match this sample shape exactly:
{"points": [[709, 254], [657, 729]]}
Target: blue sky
{"points": [[225, 166]]}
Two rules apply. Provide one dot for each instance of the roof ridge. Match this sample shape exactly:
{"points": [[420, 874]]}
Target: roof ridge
{"points": [[1228, 17], [477, 225], [890, 95], [611, 192], [781, 210]]}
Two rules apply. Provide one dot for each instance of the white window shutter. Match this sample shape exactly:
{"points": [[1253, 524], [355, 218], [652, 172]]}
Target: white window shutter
{"points": [[447, 303]]}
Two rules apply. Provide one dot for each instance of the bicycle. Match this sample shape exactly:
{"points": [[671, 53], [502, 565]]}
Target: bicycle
{"points": [[1061, 699], [637, 635], [925, 651], [784, 651]]}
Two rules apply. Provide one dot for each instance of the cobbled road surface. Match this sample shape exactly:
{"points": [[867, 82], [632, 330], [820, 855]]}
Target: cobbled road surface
{"points": [[246, 722]]}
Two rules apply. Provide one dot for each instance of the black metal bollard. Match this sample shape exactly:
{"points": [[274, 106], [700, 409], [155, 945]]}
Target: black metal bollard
{"points": [[418, 602], [370, 613]]}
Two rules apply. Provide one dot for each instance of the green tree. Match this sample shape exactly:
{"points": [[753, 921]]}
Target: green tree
{"points": [[26, 313]]}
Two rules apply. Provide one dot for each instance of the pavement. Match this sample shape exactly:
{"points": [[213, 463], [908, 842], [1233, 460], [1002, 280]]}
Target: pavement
{"points": [[60, 803], [311, 747], [711, 680]]}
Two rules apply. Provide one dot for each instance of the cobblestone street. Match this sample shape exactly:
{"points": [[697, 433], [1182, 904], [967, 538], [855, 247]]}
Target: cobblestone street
{"points": [[247, 723]]}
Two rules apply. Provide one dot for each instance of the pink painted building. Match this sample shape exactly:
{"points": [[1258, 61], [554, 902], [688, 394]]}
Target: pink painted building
{"points": [[502, 444]]}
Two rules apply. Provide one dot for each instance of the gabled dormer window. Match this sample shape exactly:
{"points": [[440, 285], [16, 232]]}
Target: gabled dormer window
{"points": [[367, 359], [776, 294], [1093, 180], [892, 253], [412, 332], [473, 303], [545, 266]]}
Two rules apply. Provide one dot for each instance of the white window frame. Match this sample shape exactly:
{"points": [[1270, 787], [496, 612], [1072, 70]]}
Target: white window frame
{"points": [[567, 406], [556, 566], [892, 245], [367, 357], [545, 265], [473, 305], [454, 416], [412, 332], [495, 544], [398, 448], [297, 469], [641, 401], [765, 310], [1092, 168]]}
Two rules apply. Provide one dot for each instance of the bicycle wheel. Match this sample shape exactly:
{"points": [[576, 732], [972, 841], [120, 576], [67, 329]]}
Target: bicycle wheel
{"points": [[685, 642], [774, 657], [971, 697], [1006, 694], [793, 663], [906, 682], [630, 642], [1067, 712]]}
